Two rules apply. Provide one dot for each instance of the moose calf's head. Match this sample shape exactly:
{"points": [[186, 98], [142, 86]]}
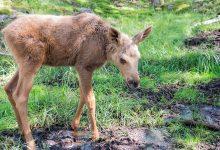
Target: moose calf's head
{"points": [[125, 54]]}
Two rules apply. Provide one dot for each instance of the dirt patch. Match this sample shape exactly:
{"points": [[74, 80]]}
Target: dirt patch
{"points": [[209, 39], [211, 116], [118, 138], [209, 146], [211, 90], [166, 91], [205, 115], [193, 114]]}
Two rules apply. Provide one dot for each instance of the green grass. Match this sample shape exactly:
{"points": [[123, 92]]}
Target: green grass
{"points": [[165, 60], [188, 137], [188, 95]]}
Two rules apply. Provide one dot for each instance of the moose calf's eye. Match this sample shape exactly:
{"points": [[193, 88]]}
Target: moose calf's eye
{"points": [[122, 61]]}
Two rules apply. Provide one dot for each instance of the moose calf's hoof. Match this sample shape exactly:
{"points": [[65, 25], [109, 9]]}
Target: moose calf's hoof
{"points": [[95, 136], [31, 145], [74, 126]]}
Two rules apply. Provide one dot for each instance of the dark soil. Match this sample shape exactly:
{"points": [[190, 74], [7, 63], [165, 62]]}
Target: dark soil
{"points": [[210, 115], [208, 146], [118, 138], [59, 137], [211, 90], [204, 115], [209, 39], [166, 91]]}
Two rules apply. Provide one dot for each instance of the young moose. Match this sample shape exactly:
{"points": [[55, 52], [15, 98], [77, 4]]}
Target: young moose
{"points": [[84, 41]]}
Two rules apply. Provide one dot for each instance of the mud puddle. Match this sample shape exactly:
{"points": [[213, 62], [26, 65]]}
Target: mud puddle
{"points": [[209, 39]]}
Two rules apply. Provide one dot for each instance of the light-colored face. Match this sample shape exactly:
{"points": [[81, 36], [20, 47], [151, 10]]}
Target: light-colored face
{"points": [[126, 57]]}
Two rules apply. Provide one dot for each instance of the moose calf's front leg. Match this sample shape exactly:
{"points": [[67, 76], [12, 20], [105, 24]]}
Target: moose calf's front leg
{"points": [[88, 98], [76, 120], [90, 102]]}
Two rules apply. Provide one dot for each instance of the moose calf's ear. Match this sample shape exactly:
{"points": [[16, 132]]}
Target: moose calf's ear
{"points": [[114, 35], [142, 35]]}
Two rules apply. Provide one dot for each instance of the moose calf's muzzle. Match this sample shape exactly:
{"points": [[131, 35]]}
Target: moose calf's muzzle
{"points": [[133, 84]]}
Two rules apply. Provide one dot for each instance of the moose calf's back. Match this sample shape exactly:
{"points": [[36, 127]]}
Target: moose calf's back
{"points": [[58, 40]]}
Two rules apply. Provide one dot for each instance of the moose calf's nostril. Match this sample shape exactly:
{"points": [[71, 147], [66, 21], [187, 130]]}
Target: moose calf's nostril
{"points": [[133, 83]]}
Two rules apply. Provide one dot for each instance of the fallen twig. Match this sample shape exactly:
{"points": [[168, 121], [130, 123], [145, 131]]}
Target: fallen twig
{"points": [[208, 21]]}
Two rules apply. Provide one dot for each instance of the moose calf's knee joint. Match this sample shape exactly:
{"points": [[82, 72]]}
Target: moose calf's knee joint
{"points": [[7, 89], [90, 103], [20, 100]]}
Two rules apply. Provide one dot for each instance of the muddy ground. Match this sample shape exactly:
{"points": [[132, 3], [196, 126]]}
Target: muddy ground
{"points": [[59, 137], [117, 138], [207, 39], [210, 90], [121, 138]]}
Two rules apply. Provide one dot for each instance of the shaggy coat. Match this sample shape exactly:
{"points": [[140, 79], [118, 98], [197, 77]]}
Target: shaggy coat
{"points": [[59, 40]]}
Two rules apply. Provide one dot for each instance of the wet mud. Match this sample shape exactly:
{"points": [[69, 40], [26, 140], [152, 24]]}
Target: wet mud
{"points": [[117, 138]]}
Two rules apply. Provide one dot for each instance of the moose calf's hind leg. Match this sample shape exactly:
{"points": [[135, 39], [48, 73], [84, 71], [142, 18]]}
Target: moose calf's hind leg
{"points": [[9, 89], [20, 95]]}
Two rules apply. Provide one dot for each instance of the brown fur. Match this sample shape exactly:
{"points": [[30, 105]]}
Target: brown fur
{"points": [[84, 41]]}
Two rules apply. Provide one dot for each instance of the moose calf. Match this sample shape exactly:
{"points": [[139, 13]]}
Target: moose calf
{"points": [[84, 41]]}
